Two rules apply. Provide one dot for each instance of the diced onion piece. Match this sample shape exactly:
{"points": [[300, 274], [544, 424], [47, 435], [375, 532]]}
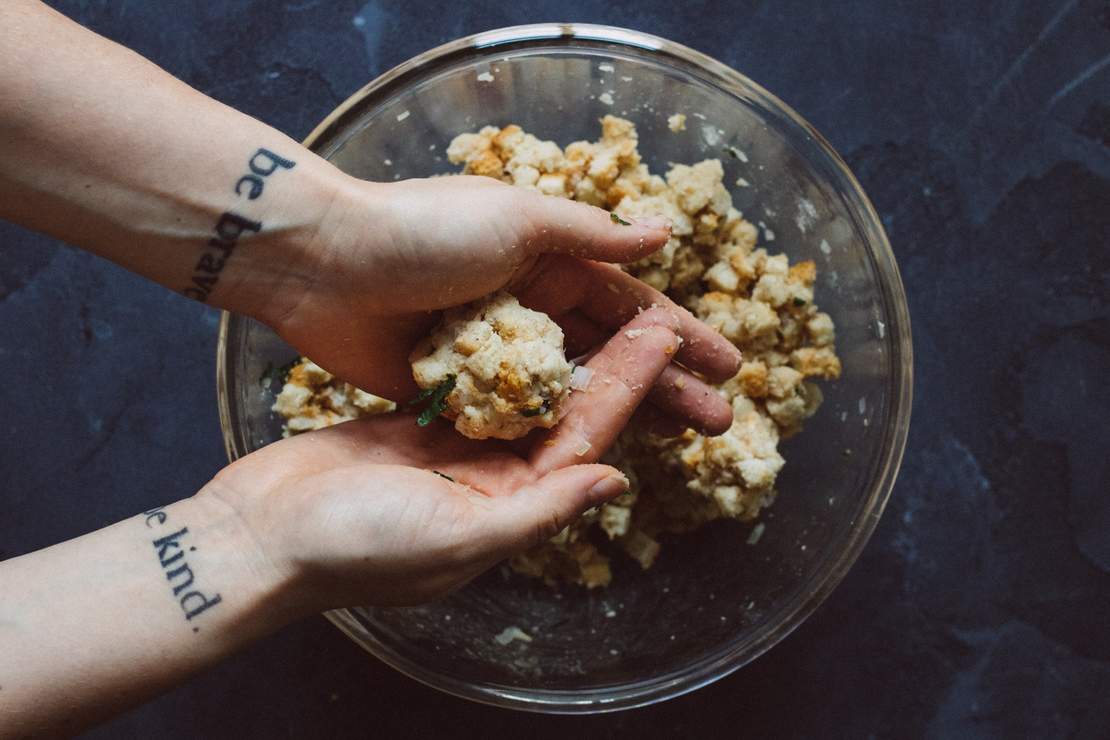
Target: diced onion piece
{"points": [[583, 447], [756, 533], [580, 378], [507, 635]]}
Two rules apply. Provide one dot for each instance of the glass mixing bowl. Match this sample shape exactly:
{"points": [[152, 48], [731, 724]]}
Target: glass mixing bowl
{"points": [[712, 603]]}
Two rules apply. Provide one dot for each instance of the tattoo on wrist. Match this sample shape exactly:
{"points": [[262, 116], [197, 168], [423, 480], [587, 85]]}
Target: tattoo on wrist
{"points": [[170, 550], [231, 225]]}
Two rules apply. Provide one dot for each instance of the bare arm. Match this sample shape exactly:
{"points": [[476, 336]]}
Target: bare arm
{"points": [[101, 148], [344, 516], [96, 624]]}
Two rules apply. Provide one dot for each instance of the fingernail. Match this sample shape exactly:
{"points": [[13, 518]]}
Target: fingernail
{"points": [[608, 488], [653, 222]]}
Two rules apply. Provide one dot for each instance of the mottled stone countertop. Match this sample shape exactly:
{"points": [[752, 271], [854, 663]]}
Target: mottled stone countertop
{"points": [[980, 129]]}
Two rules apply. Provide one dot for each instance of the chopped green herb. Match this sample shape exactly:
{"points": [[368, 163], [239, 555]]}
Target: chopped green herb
{"points": [[799, 301], [543, 408], [618, 220], [437, 401], [421, 396], [444, 475]]}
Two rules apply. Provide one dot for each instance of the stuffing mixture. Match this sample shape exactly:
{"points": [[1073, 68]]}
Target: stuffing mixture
{"points": [[713, 266], [313, 398], [504, 364]]}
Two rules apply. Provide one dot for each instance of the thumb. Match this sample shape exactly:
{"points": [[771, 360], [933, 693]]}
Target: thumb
{"points": [[538, 511], [564, 226]]}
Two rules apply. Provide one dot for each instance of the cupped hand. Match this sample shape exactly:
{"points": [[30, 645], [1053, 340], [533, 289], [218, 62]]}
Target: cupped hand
{"points": [[389, 257], [381, 511]]}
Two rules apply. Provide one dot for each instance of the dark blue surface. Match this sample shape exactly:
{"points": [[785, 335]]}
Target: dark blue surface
{"points": [[981, 130]]}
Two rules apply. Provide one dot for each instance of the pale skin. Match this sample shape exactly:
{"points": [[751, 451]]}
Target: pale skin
{"points": [[102, 149]]}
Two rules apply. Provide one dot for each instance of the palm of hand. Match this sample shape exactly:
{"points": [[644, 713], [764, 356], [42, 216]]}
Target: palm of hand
{"points": [[398, 253], [363, 518], [354, 513], [383, 511], [435, 244]]}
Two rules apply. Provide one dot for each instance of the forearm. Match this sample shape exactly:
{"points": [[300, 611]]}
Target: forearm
{"points": [[98, 623], [103, 149]]}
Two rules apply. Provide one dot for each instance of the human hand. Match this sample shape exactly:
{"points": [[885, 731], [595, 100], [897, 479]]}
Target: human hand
{"points": [[382, 511], [388, 257]]}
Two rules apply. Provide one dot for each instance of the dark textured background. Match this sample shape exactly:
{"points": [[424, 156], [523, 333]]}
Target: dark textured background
{"points": [[981, 130]]}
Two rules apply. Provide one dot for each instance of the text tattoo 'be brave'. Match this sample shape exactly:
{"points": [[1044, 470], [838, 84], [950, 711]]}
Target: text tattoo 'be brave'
{"points": [[231, 226]]}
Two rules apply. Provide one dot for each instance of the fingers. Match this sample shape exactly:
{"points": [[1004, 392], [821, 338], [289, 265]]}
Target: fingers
{"points": [[615, 296], [564, 226], [688, 400], [580, 334], [653, 420], [538, 511], [610, 297], [624, 371]]}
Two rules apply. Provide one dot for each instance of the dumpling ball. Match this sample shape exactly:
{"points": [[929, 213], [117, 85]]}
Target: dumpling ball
{"points": [[509, 368]]}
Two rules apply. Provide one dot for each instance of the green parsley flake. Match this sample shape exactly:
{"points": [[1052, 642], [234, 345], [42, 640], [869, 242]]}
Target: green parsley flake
{"points": [[618, 220], [543, 408], [437, 401]]}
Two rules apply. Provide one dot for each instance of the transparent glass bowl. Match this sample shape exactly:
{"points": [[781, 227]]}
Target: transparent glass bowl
{"points": [[713, 602]]}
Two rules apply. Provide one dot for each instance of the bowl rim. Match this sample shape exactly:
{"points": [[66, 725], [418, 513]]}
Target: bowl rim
{"points": [[884, 469]]}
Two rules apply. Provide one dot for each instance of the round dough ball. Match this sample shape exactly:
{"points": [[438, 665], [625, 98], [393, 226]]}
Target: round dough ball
{"points": [[511, 373]]}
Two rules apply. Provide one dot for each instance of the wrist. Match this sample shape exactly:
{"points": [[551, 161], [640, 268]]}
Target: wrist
{"points": [[259, 590], [275, 268], [329, 239]]}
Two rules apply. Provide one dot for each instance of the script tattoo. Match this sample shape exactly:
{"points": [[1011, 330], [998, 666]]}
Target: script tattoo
{"points": [[170, 550], [231, 226]]}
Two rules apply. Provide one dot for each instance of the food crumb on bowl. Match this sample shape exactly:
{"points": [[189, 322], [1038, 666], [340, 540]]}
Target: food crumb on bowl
{"points": [[736, 153], [677, 122], [511, 633]]}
